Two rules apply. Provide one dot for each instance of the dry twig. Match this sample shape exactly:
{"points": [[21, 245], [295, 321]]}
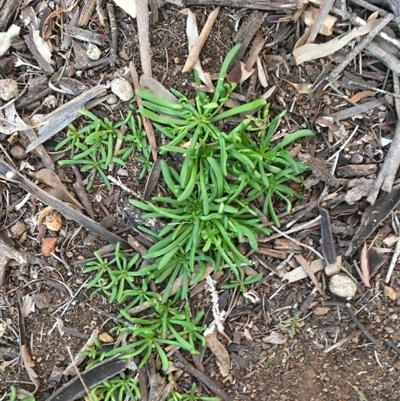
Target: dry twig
{"points": [[142, 10], [319, 21], [388, 172], [201, 40], [146, 123]]}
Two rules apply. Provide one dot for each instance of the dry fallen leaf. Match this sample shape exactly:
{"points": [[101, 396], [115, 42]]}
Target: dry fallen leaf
{"points": [[59, 191], [193, 36], [275, 338], [217, 348], [299, 273], [312, 51], [42, 46], [49, 245], [364, 263], [361, 95], [261, 74], [3, 328], [105, 338], [28, 305], [156, 88], [239, 73], [10, 121], [29, 364], [390, 293], [321, 310]]}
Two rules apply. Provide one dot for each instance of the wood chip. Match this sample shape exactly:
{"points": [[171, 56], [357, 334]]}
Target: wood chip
{"points": [[252, 4], [372, 218], [84, 35], [201, 40], [64, 115]]}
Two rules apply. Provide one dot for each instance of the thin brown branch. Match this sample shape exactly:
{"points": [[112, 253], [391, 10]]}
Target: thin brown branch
{"points": [[146, 123], [181, 362]]}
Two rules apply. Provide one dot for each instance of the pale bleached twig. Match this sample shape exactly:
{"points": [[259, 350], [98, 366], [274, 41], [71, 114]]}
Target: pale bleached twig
{"points": [[342, 341], [123, 186], [297, 242], [345, 143], [294, 229], [142, 17], [196, 49], [393, 262]]}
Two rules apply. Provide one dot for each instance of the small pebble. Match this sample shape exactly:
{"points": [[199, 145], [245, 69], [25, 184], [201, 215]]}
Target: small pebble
{"points": [[122, 88], [111, 99], [8, 89], [342, 286], [18, 152], [356, 158], [93, 52]]}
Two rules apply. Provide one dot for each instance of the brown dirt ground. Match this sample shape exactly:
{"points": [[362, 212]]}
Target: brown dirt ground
{"points": [[299, 369]]}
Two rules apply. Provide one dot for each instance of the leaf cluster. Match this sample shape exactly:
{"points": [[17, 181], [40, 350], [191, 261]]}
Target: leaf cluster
{"points": [[210, 207], [117, 389], [190, 396], [121, 281], [94, 145]]}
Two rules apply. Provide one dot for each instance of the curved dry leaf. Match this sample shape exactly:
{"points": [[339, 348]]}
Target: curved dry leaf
{"points": [[275, 338], [220, 352], [193, 37], [29, 364], [361, 95], [44, 212], [312, 51], [10, 121]]}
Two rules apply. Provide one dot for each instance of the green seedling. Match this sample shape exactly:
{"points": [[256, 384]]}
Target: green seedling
{"points": [[117, 389], [115, 277], [14, 395], [243, 282], [190, 396], [93, 146], [293, 324], [167, 326], [229, 180]]}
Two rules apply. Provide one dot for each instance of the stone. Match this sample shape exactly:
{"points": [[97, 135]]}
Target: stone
{"points": [[342, 286], [93, 52], [122, 88], [8, 89]]}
